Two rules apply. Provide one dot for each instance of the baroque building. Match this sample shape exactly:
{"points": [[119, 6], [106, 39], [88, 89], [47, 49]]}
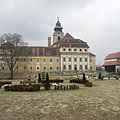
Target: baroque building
{"points": [[66, 54]]}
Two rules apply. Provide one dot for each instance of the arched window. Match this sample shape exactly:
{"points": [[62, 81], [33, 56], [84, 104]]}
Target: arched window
{"points": [[58, 37]]}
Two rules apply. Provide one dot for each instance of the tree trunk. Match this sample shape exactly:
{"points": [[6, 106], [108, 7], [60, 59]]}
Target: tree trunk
{"points": [[11, 69], [11, 74]]}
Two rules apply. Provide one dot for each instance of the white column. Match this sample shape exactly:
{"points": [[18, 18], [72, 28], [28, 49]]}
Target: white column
{"points": [[72, 61], [61, 62], [67, 63], [88, 63], [83, 61], [78, 68]]}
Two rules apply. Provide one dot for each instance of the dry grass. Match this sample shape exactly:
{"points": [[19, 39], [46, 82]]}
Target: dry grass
{"points": [[101, 102]]}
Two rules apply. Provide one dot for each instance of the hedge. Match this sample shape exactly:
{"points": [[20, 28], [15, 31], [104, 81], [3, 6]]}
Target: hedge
{"points": [[22, 88], [66, 87], [56, 81], [77, 81], [4, 82]]}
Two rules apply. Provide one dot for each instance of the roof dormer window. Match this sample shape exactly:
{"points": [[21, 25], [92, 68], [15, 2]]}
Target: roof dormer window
{"points": [[63, 49]]}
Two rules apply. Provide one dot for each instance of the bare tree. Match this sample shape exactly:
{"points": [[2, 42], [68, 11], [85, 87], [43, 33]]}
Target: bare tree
{"points": [[11, 46]]}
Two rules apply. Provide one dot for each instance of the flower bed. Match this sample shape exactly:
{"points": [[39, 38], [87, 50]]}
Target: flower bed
{"points": [[23, 88], [77, 81], [66, 87], [27, 81], [4, 82], [56, 81]]}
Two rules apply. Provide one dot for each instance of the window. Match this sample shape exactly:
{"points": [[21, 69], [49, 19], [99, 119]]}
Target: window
{"points": [[17, 59], [80, 59], [38, 68], [63, 59], [37, 59], [58, 37], [81, 67], [69, 59], [24, 68], [50, 59], [90, 68], [30, 68], [63, 49], [69, 67], [91, 60], [75, 49], [3, 68], [85, 59], [75, 67], [69, 49], [17, 68], [80, 50], [57, 60], [44, 60], [86, 67], [30, 59], [24, 59], [75, 59], [57, 68], [85, 49], [50, 68], [44, 68], [64, 67]]}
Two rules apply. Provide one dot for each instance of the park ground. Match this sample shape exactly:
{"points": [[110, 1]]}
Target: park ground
{"points": [[100, 102]]}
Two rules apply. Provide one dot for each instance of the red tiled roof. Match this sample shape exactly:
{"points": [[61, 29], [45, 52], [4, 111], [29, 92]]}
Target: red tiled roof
{"points": [[67, 35], [69, 41], [39, 51], [109, 63], [113, 56], [98, 66]]}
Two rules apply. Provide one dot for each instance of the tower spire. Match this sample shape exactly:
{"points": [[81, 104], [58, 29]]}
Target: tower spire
{"points": [[57, 18], [58, 33]]}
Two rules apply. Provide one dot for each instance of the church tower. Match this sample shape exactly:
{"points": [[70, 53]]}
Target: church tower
{"points": [[58, 34]]}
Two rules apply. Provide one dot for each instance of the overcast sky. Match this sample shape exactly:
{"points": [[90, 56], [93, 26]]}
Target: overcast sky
{"points": [[95, 21]]}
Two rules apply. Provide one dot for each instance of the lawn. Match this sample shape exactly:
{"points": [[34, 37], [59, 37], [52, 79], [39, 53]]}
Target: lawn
{"points": [[101, 102]]}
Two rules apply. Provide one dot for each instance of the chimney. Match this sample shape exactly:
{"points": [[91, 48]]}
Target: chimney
{"points": [[49, 42]]}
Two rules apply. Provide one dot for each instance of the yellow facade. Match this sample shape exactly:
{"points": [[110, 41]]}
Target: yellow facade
{"points": [[38, 63]]}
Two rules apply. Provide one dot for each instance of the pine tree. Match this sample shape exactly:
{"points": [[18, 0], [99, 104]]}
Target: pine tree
{"points": [[39, 78], [47, 82], [84, 78], [99, 76]]}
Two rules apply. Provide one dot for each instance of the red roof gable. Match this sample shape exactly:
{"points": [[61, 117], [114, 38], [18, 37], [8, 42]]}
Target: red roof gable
{"points": [[113, 56], [67, 35], [109, 63], [69, 41]]}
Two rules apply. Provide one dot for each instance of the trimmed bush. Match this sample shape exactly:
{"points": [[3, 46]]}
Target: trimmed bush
{"points": [[99, 77], [88, 84], [27, 81], [47, 83], [77, 81], [56, 81], [23, 88], [66, 87], [84, 78], [4, 82], [39, 78]]}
